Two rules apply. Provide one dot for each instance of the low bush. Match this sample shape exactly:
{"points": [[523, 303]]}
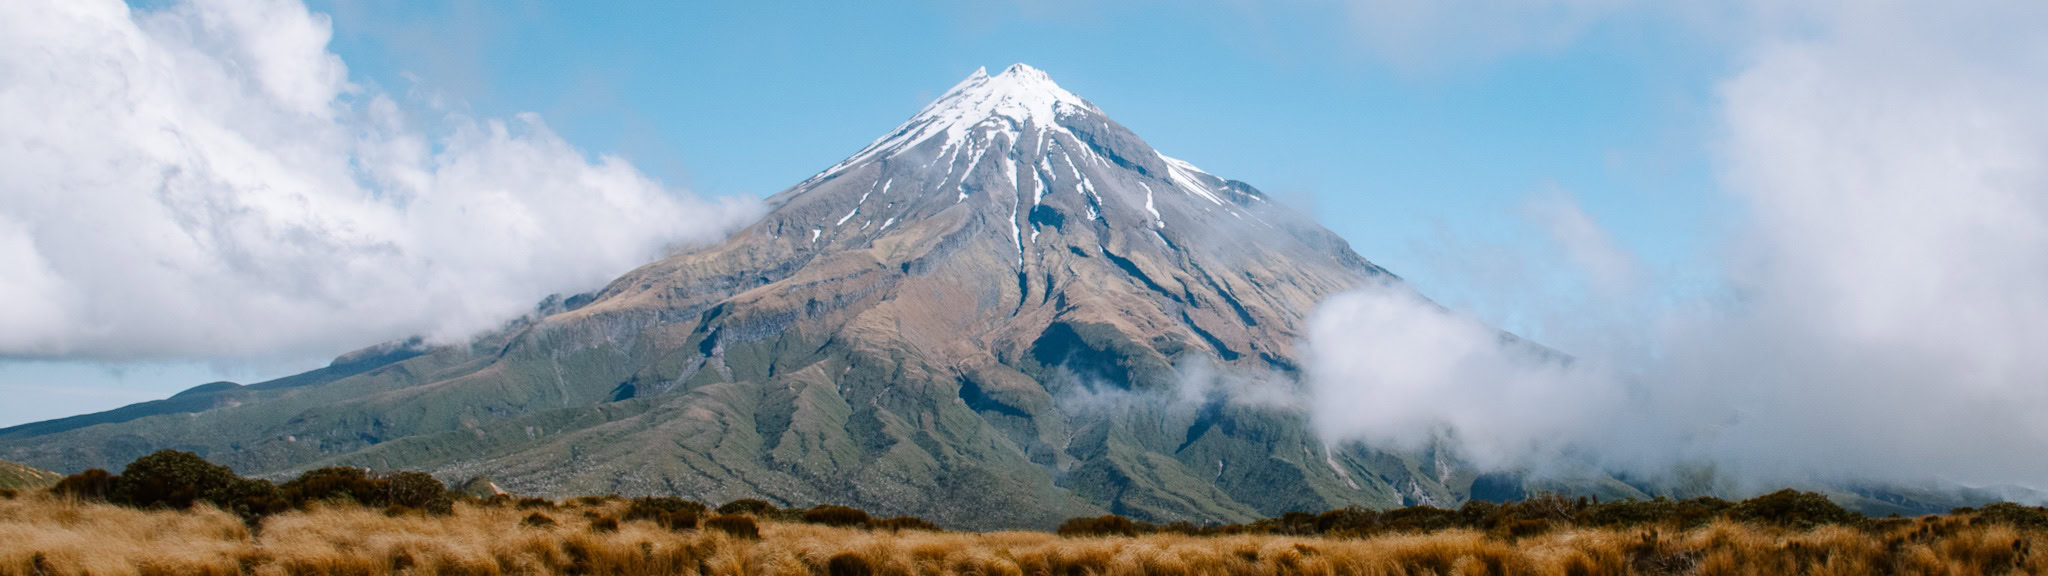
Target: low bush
{"points": [[748, 506], [535, 504], [538, 520], [1792, 509], [831, 515], [1688, 513], [252, 499], [848, 564], [667, 512], [1419, 519], [334, 483], [1480, 514], [1290, 524], [2015, 515], [178, 480], [604, 525], [172, 479], [417, 490], [408, 490], [678, 520], [650, 507], [1352, 521], [735, 525], [901, 523], [93, 485], [1110, 525]]}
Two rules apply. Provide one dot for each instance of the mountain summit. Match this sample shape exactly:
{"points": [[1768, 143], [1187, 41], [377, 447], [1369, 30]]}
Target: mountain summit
{"points": [[1008, 311]]}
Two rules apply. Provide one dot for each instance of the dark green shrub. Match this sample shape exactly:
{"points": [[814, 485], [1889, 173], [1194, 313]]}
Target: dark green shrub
{"points": [[901, 523], [538, 520], [748, 506], [412, 489], [1792, 509], [1480, 514], [841, 516], [252, 499], [536, 503], [658, 507], [1690, 513], [667, 512], [1696, 512], [336, 483], [735, 525], [679, 520], [1419, 519], [2017, 516], [408, 490], [1624, 513], [172, 479], [178, 480], [1293, 524], [1348, 522], [417, 490], [1545, 506], [1111, 525], [91, 485]]}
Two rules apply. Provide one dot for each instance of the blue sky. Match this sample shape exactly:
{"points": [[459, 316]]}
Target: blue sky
{"points": [[1404, 156], [1421, 150]]}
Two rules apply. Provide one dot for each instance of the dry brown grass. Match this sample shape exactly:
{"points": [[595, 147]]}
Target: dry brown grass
{"points": [[40, 534]]}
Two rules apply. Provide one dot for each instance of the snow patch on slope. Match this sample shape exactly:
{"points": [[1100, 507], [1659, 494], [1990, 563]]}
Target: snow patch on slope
{"points": [[1182, 174]]}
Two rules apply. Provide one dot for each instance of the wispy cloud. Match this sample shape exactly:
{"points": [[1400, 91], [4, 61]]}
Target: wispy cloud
{"points": [[202, 180], [1884, 302]]}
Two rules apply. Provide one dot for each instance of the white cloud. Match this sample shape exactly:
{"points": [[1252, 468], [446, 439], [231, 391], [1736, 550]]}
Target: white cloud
{"points": [[1885, 303], [1392, 369], [202, 180]]}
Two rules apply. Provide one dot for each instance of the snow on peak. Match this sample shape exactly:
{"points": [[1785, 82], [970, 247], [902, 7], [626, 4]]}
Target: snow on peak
{"points": [[1020, 95]]}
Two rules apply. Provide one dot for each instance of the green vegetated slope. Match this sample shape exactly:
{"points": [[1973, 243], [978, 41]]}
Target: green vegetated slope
{"points": [[19, 477]]}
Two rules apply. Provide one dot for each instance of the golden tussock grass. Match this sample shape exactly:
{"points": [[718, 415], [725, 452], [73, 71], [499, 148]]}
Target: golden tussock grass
{"points": [[41, 534]]}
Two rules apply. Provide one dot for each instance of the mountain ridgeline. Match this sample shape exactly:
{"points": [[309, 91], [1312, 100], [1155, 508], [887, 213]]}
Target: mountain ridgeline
{"points": [[1007, 312]]}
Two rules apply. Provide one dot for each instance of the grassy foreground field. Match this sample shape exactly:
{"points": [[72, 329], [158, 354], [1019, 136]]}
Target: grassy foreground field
{"points": [[45, 534]]}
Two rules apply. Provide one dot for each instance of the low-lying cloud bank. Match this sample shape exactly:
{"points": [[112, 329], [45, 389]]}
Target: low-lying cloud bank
{"points": [[1885, 309], [202, 180]]}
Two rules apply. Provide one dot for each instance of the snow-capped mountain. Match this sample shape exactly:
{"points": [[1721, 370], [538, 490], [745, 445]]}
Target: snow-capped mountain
{"points": [[1005, 312]]}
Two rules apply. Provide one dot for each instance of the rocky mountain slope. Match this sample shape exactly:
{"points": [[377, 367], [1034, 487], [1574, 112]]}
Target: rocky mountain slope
{"points": [[1006, 312]]}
